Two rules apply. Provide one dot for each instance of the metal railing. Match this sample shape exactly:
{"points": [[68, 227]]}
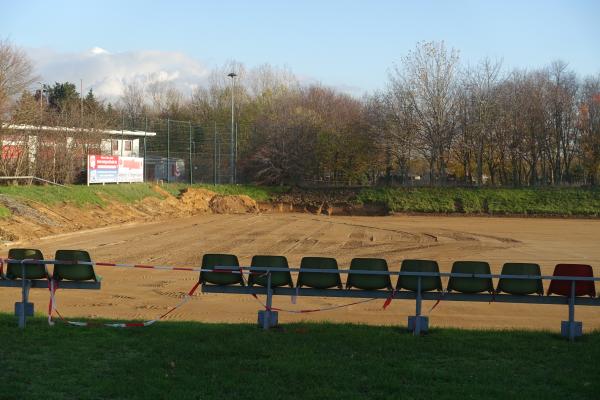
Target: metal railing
{"points": [[417, 295]]}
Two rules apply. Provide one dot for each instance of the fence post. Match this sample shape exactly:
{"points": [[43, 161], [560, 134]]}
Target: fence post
{"points": [[191, 165], [218, 161], [235, 155], [215, 155], [122, 135], [145, 133], [168, 150]]}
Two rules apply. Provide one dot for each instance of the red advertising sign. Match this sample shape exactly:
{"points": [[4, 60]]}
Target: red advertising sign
{"points": [[114, 169]]}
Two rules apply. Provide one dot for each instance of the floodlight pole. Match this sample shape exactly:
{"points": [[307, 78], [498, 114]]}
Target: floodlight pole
{"points": [[232, 75]]}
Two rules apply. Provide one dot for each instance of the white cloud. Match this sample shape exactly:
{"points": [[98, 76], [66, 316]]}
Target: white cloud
{"points": [[108, 73]]}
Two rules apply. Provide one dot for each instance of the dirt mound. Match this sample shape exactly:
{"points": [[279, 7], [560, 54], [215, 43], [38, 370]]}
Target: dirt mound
{"points": [[204, 200], [30, 220], [233, 205], [197, 199], [324, 201]]}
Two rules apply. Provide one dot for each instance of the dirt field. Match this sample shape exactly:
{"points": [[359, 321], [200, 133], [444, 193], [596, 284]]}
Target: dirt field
{"points": [[145, 294]]}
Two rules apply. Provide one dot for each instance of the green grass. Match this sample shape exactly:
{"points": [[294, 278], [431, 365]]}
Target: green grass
{"points": [[523, 201], [80, 195], [188, 360], [4, 212]]}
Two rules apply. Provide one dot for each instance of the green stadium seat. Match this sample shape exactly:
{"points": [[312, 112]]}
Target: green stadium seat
{"points": [[211, 261], [368, 282], [74, 272], [428, 283], [467, 284], [278, 278], [520, 286], [319, 280], [32, 271]]}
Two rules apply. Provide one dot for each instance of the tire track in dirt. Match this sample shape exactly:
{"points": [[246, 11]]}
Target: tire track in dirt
{"points": [[144, 294]]}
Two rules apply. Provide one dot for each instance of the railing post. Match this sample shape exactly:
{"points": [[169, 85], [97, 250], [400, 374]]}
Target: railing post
{"points": [[23, 309], [417, 323], [24, 296], [572, 313], [571, 329], [417, 331], [267, 317]]}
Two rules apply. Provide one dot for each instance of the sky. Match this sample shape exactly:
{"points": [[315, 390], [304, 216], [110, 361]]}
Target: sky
{"points": [[348, 45]]}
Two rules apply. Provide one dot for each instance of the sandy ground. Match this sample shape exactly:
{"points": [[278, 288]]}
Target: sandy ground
{"points": [[128, 294]]}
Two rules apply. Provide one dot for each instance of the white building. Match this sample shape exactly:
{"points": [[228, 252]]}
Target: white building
{"points": [[111, 142]]}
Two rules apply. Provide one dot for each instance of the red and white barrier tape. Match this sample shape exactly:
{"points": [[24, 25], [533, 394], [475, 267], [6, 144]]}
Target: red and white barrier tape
{"points": [[142, 266], [388, 301], [267, 308], [53, 286]]}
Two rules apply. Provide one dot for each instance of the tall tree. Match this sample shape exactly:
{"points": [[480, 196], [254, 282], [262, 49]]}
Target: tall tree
{"points": [[429, 74], [16, 74]]}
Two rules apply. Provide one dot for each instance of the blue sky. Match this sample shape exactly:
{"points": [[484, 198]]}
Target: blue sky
{"points": [[346, 44]]}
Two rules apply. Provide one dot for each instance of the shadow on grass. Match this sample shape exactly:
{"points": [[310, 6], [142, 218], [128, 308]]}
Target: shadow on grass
{"points": [[188, 360]]}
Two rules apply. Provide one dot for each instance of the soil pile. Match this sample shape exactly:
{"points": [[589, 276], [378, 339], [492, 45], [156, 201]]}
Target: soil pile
{"points": [[30, 220], [197, 199], [323, 201], [233, 205]]}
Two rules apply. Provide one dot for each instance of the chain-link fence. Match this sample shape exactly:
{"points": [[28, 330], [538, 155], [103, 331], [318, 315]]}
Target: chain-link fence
{"points": [[173, 151], [182, 151]]}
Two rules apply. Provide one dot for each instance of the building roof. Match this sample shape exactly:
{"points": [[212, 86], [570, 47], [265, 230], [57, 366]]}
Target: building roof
{"points": [[114, 132]]}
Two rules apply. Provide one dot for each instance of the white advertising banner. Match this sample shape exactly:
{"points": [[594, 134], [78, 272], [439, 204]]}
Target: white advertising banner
{"points": [[102, 169], [131, 169], [114, 169]]}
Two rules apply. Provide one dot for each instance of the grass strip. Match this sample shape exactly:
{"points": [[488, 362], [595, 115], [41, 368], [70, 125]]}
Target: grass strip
{"points": [[191, 360]]}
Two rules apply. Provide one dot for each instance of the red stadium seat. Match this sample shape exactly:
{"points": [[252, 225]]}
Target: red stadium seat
{"points": [[563, 288]]}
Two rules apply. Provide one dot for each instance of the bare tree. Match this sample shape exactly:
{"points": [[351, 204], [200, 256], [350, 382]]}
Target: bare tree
{"points": [[133, 101], [16, 74], [561, 103], [589, 124], [166, 99], [429, 74], [482, 82]]}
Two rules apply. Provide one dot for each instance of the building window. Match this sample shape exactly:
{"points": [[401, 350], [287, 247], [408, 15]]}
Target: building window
{"points": [[127, 145], [115, 145]]}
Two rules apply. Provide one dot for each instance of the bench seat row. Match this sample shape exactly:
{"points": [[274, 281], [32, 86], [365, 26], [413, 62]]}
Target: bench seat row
{"points": [[319, 280], [71, 271]]}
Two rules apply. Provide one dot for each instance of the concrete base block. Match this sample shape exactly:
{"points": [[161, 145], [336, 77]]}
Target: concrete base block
{"points": [[423, 323], [28, 309], [273, 318], [565, 328]]}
